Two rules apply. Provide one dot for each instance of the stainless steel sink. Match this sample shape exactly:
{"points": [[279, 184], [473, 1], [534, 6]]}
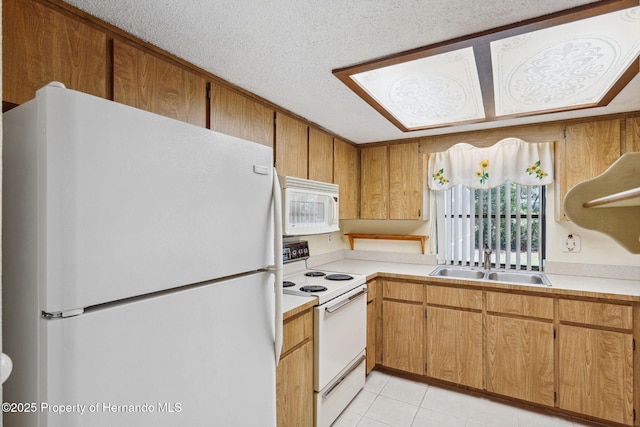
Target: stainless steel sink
{"points": [[505, 276], [523, 278], [461, 273]]}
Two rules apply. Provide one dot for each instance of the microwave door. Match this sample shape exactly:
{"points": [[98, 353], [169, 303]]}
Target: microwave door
{"points": [[308, 212]]}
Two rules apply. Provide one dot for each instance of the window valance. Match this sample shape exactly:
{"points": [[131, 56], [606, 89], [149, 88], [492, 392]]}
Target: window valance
{"points": [[510, 160]]}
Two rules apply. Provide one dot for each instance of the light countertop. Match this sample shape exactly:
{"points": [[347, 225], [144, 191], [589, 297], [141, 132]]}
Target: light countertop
{"points": [[559, 282], [562, 284]]}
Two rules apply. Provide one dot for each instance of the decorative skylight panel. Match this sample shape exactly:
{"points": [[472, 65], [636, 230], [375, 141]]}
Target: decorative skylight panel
{"points": [[428, 92], [573, 65]]}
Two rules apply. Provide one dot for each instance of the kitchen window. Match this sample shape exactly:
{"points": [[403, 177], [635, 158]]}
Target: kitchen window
{"points": [[508, 219], [492, 198]]}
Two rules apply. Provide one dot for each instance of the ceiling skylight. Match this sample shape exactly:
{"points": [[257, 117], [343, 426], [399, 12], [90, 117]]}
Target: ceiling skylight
{"points": [[574, 59], [567, 66], [429, 91]]}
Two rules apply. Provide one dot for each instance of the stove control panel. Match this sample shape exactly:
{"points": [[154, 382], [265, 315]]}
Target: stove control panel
{"points": [[295, 251]]}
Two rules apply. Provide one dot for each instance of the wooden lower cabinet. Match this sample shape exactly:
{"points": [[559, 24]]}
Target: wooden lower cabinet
{"points": [[455, 335], [403, 326], [520, 347], [372, 320], [294, 375], [403, 336], [573, 355], [520, 359], [595, 373], [454, 342]]}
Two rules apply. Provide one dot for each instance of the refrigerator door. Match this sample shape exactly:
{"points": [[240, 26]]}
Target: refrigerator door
{"points": [[130, 202], [202, 356]]}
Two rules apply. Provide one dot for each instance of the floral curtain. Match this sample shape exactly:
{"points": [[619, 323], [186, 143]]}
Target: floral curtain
{"points": [[510, 160]]}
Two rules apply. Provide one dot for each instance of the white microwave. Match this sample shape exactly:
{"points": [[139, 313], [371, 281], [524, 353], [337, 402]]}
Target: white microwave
{"points": [[308, 207]]}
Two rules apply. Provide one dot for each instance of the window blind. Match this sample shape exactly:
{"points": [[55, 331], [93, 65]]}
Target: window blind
{"points": [[508, 219]]}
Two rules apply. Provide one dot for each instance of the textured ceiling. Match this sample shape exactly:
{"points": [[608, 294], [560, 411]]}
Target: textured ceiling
{"points": [[285, 50]]}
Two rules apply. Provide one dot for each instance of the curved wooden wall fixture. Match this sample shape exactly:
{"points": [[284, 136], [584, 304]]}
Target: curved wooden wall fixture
{"points": [[610, 203]]}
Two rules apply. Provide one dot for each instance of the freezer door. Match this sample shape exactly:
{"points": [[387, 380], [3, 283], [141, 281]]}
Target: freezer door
{"points": [[199, 357], [130, 202]]}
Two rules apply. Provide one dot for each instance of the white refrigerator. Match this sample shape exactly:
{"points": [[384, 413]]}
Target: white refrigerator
{"points": [[142, 269]]}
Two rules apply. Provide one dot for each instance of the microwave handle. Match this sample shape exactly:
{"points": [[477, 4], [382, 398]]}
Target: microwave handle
{"points": [[334, 210]]}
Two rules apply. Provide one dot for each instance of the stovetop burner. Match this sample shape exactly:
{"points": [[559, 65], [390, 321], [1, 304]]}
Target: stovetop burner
{"points": [[287, 284], [314, 274], [323, 285], [338, 276], [313, 288]]}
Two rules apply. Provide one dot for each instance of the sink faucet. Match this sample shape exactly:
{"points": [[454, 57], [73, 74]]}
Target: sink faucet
{"points": [[487, 257]]}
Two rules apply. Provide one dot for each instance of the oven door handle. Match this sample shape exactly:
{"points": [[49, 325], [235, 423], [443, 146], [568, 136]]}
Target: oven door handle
{"points": [[343, 376], [345, 302]]}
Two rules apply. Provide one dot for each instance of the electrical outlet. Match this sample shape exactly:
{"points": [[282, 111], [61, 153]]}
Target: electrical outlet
{"points": [[571, 243], [329, 237]]}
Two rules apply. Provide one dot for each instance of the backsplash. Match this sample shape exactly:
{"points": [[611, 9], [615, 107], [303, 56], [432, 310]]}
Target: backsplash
{"points": [[593, 270]]}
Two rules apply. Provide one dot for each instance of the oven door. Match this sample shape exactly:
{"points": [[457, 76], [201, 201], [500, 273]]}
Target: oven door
{"points": [[340, 334]]}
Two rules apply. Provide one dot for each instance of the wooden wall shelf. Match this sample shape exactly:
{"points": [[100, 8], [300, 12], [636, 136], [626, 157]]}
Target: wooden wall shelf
{"points": [[418, 238]]}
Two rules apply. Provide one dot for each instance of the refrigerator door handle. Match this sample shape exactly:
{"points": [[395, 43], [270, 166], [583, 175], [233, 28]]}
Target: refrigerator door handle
{"points": [[277, 267]]}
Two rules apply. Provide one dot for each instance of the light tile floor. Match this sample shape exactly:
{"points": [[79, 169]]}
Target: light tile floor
{"points": [[391, 401]]}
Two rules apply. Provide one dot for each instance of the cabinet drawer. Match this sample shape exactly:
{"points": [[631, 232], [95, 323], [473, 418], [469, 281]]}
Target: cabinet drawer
{"points": [[455, 297], [296, 330], [596, 313], [403, 291], [522, 305]]}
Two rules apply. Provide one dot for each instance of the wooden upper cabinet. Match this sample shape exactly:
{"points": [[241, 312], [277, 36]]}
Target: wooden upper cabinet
{"points": [[407, 170], [632, 136], [291, 146], [374, 188], [150, 83], [320, 156], [588, 150], [41, 45], [235, 114], [346, 173]]}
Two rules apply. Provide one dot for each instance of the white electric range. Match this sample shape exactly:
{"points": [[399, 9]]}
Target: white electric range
{"points": [[324, 285], [340, 330]]}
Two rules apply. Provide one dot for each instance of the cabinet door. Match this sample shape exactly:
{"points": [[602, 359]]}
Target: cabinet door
{"points": [[632, 135], [237, 115], [291, 146], [41, 45], [294, 388], [454, 346], [403, 336], [588, 150], [372, 319], [374, 193], [406, 182], [520, 359], [595, 373], [320, 156], [346, 173], [150, 83]]}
